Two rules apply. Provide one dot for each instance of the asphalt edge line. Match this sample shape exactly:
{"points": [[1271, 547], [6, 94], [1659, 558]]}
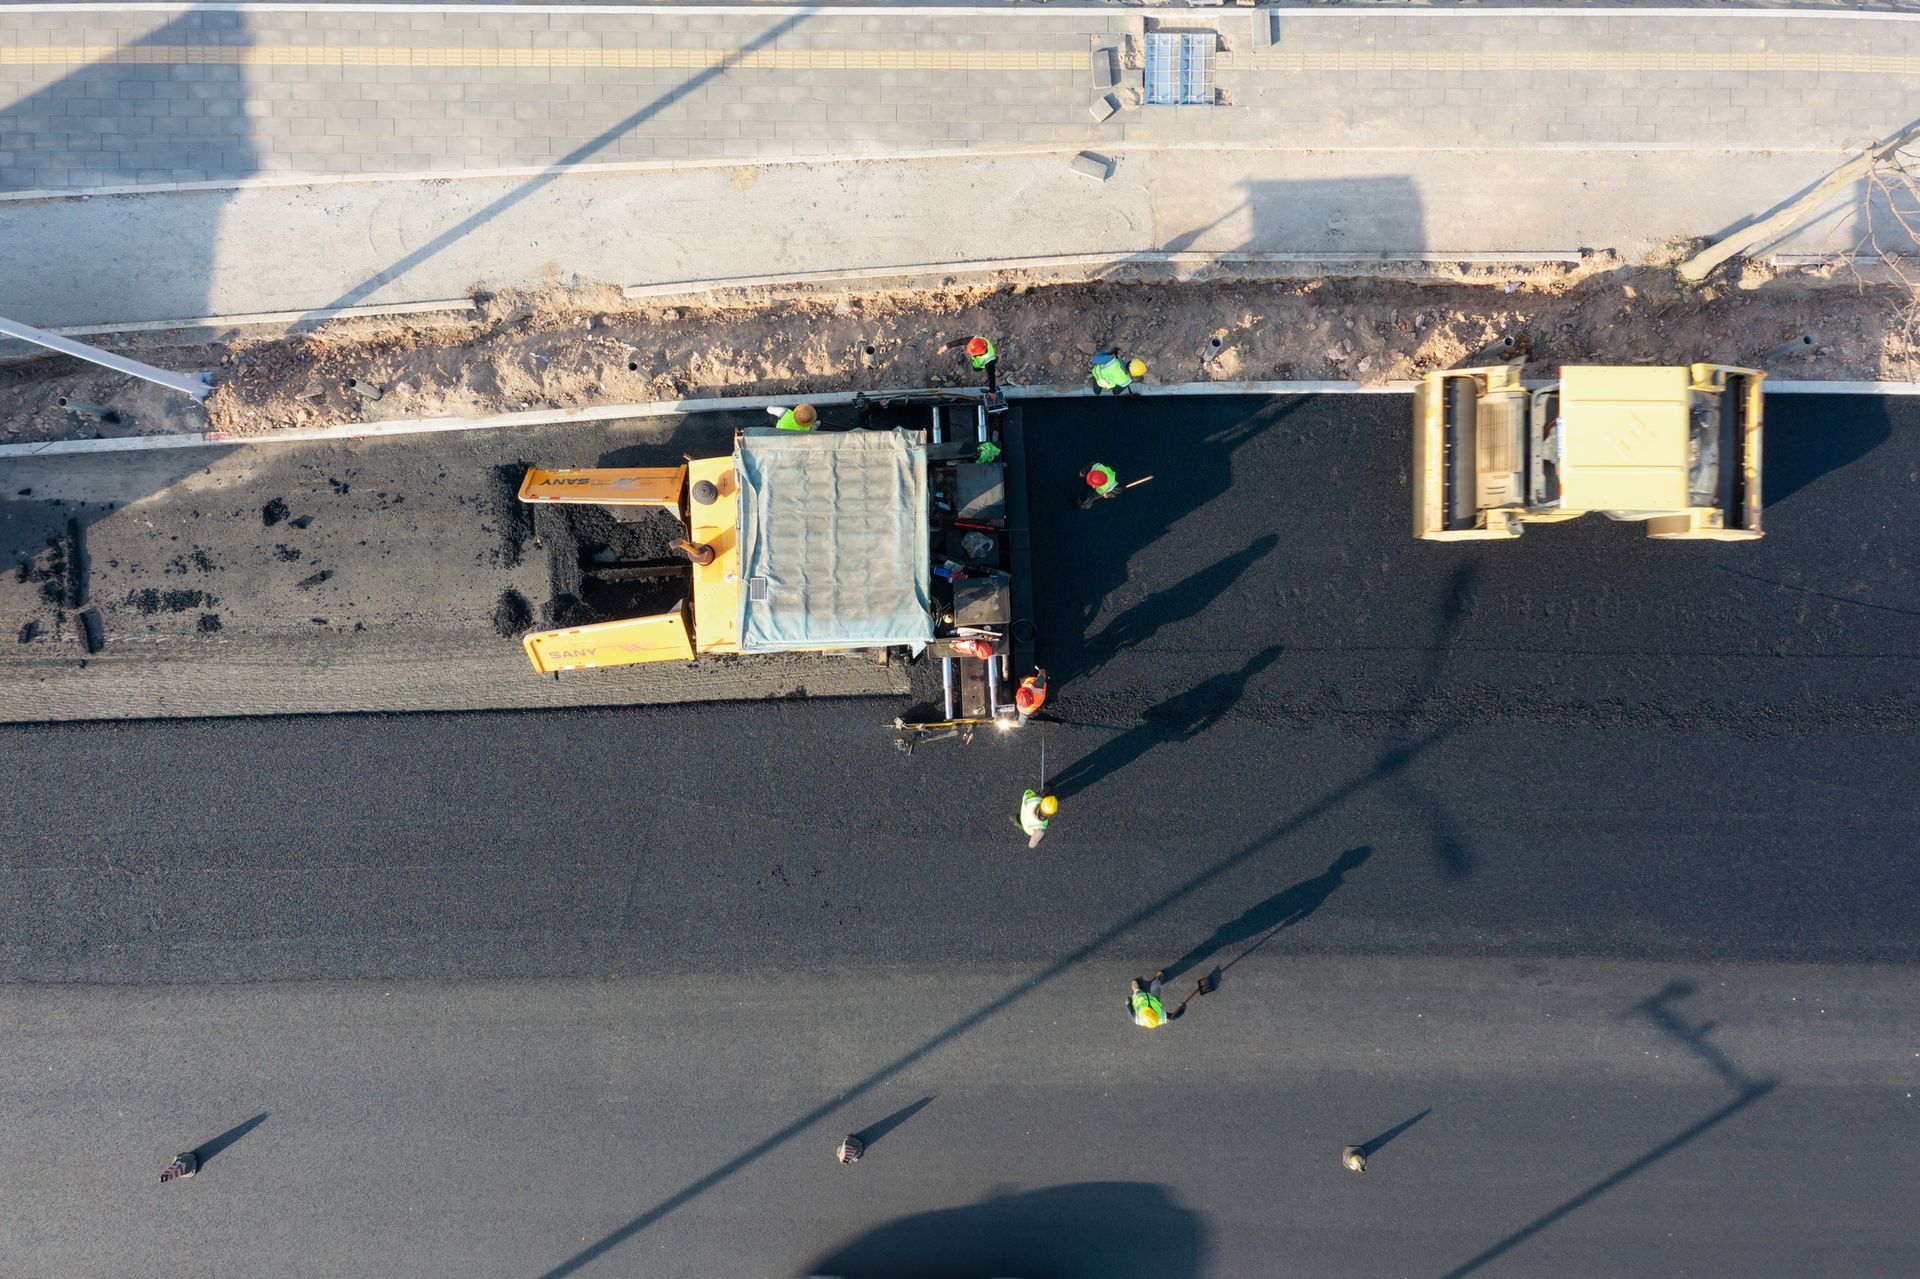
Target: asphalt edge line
{"points": [[672, 408], [1293, 11]]}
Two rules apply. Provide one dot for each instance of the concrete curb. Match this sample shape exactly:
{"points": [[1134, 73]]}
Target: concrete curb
{"points": [[674, 408]]}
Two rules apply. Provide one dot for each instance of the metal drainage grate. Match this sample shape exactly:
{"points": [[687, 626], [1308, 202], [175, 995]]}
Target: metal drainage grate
{"points": [[1179, 69]]}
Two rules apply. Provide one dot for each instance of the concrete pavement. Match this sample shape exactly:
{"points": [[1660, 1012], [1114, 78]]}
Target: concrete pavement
{"points": [[1569, 1118], [555, 145]]}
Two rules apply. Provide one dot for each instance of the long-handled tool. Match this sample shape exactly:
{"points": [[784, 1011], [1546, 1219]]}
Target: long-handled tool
{"points": [[1137, 483], [1200, 988]]}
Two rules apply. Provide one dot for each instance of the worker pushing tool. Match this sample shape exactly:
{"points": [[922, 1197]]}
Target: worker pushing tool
{"points": [[1111, 373], [985, 359], [1144, 1005], [1031, 695]]}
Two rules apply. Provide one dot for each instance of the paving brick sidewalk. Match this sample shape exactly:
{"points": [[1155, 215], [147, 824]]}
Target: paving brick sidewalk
{"points": [[93, 97]]}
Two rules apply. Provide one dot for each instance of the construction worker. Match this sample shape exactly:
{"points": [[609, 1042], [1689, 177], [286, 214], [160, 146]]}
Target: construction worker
{"points": [[801, 417], [1036, 811], [1144, 1003], [1110, 373], [1100, 483], [985, 359], [1031, 695]]}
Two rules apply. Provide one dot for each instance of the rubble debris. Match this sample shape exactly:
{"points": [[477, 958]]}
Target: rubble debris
{"points": [[308, 583], [150, 601], [208, 624], [273, 512]]}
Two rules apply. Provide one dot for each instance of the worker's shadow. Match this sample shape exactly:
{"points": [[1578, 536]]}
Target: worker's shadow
{"points": [[1175, 604], [1177, 719], [1284, 909]]}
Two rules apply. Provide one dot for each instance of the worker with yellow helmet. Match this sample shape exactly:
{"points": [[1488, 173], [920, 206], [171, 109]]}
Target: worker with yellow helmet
{"points": [[1111, 373], [1144, 1003], [1036, 811]]}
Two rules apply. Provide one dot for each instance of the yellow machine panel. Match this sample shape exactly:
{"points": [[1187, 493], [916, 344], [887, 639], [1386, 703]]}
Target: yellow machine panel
{"points": [[664, 637], [1623, 439], [716, 586], [630, 486]]}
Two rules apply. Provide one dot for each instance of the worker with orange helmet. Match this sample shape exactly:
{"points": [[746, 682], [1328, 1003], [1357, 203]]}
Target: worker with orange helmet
{"points": [[801, 417], [1036, 811], [985, 359], [1031, 695], [1144, 1005], [1111, 373]]}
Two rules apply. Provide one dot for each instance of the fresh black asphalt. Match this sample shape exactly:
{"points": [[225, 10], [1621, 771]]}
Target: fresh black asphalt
{"points": [[1581, 743]]}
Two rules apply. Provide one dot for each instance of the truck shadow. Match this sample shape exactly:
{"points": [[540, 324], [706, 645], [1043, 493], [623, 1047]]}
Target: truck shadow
{"points": [[1084, 1230]]}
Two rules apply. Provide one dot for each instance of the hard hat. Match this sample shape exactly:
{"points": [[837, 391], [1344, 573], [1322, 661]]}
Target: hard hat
{"points": [[1049, 805], [1149, 1016], [805, 413], [1025, 698], [976, 346], [1136, 368], [1097, 475]]}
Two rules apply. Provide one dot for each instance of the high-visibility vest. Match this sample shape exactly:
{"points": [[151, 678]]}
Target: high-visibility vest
{"points": [[1031, 822], [981, 361], [1145, 1002], [788, 422], [1112, 481], [1109, 373]]}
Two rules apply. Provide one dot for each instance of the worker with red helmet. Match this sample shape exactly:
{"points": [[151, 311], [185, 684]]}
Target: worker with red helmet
{"points": [[1031, 695], [1101, 482], [985, 359]]}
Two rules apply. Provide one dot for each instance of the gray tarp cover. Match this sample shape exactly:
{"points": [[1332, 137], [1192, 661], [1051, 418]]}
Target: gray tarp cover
{"points": [[833, 539]]}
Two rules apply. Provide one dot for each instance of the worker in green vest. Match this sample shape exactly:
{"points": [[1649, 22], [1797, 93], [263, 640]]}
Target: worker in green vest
{"points": [[985, 359], [1144, 1005], [1111, 373], [1101, 482], [1036, 811], [800, 417]]}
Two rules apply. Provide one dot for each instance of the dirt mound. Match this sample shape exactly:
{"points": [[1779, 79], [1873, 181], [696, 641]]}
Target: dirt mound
{"points": [[572, 348]]}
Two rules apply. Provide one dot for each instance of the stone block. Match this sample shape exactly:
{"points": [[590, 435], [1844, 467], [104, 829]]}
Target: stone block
{"points": [[1093, 165]]}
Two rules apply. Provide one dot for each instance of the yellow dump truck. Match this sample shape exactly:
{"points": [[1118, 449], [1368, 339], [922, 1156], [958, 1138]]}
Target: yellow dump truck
{"points": [[877, 537], [1676, 448]]}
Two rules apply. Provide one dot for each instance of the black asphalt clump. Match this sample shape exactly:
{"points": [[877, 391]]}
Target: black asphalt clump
{"points": [[286, 554], [152, 600], [273, 512], [513, 615], [79, 564], [30, 632], [309, 582], [300, 522], [94, 630], [512, 517], [208, 623]]}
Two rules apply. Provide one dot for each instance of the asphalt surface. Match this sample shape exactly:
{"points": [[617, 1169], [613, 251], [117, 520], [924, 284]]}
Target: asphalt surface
{"points": [[1566, 1119], [1519, 788], [1583, 742]]}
